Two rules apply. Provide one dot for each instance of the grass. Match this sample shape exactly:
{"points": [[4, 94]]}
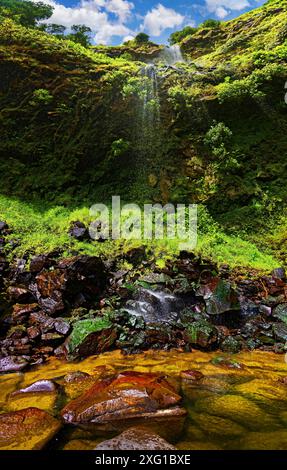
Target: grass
{"points": [[42, 229]]}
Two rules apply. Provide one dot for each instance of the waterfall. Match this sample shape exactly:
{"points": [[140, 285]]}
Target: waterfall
{"points": [[172, 55], [154, 306]]}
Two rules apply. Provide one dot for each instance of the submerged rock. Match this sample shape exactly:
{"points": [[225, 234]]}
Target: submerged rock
{"points": [[136, 438], [27, 429], [78, 230]]}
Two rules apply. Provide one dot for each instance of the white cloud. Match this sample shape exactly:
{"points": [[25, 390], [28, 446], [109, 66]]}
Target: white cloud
{"points": [[160, 18], [221, 8], [221, 12], [121, 8], [95, 14]]}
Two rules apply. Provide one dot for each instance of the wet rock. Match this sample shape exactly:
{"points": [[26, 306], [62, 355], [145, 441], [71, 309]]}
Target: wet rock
{"points": [[3, 225], [51, 337], [226, 363], [265, 310], [280, 312], [202, 333], [50, 285], [80, 444], [136, 438], [18, 294], [219, 297], [40, 262], [42, 321], [129, 395], [279, 273], [192, 375], [78, 230], [33, 332], [28, 429], [13, 363], [21, 312], [280, 331], [43, 392], [263, 390], [230, 344], [62, 326], [90, 336]]}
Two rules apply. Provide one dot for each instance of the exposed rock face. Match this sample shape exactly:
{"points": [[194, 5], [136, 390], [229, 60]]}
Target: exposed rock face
{"points": [[136, 438], [129, 395], [28, 429]]}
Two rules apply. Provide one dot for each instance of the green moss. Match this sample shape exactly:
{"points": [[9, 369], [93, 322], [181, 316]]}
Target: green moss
{"points": [[84, 328]]}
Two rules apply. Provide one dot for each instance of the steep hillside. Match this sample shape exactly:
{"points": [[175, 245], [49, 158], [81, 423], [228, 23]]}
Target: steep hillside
{"points": [[78, 125]]}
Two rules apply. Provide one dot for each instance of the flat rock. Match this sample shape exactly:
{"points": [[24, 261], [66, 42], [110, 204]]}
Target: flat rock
{"points": [[28, 429], [13, 363], [136, 438], [128, 395]]}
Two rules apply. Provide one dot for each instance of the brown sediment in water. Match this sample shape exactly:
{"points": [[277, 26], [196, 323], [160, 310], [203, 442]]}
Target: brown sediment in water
{"points": [[239, 402]]}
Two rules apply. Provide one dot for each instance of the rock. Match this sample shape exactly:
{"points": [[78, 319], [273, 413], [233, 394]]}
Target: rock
{"points": [[28, 429], [91, 336], [279, 273], [40, 262], [21, 312], [3, 225], [226, 363], [264, 390], [80, 444], [39, 386], [13, 363], [193, 375], [230, 344], [219, 297], [50, 285], [43, 392], [18, 294], [197, 446], [265, 310], [136, 438], [62, 326], [42, 321], [280, 312], [201, 333], [33, 332], [51, 337], [237, 409], [275, 440], [280, 331], [78, 230], [129, 395]]}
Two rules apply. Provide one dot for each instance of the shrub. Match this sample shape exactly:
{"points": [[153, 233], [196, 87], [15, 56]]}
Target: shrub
{"points": [[210, 23], [141, 38], [42, 96], [180, 35]]}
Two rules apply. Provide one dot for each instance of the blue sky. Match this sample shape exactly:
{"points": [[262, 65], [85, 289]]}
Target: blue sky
{"points": [[113, 21]]}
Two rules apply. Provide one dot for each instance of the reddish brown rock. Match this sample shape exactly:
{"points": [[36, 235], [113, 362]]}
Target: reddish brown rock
{"points": [[21, 312], [129, 395], [28, 429], [136, 438]]}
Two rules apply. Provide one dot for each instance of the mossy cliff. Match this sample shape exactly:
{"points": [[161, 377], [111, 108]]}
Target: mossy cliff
{"points": [[72, 128]]}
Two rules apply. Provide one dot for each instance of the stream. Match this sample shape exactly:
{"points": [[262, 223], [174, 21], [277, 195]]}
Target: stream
{"points": [[239, 403]]}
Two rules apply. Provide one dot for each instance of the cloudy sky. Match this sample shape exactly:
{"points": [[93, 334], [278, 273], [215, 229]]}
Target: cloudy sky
{"points": [[114, 21]]}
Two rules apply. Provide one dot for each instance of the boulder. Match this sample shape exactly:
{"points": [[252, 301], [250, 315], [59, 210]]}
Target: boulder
{"points": [[136, 438], [3, 225], [128, 395], [27, 429], [219, 296]]}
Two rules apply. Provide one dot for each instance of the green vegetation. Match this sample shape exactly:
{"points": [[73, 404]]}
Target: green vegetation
{"points": [[25, 13], [73, 133], [84, 328], [141, 38], [180, 35]]}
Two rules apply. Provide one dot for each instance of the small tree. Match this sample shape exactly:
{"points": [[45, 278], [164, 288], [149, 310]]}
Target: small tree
{"points": [[142, 38], [180, 35], [210, 23], [80, 34]]}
